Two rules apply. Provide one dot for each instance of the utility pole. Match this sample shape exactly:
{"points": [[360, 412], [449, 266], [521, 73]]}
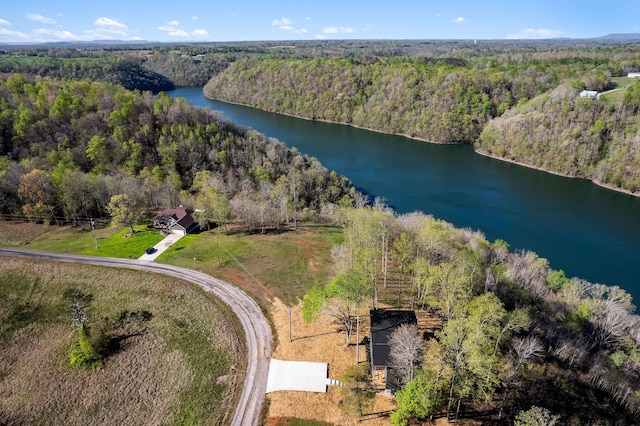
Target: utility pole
{"points": [[358, 337], [218, 250], [93, 231], [290, 335]]}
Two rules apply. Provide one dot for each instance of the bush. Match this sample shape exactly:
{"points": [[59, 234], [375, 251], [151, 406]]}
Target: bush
{"points": [[85, 357]]}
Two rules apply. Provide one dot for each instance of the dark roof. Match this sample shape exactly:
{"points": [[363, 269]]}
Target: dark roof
{"points": [[182, 217], [383, 323]]}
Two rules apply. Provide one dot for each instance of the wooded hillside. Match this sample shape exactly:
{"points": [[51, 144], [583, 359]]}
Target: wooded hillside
{"points": [[67, 148], [454, 98]]}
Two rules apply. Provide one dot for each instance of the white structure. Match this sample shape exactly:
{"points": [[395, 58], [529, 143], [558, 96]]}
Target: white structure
{"points": [[589, 94], [306, 376], [634, 75]]}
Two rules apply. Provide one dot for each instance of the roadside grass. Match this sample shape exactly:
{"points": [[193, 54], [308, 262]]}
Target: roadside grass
{"points": [[165, 375], [112, 242], [284, 265]]}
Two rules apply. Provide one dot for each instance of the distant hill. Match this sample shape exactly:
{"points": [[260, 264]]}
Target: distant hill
{"points": [[621, 36]]}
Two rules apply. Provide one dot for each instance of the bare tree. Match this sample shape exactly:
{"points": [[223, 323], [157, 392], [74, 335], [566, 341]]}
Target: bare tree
{"points": [[525, 348], [405, 351]]}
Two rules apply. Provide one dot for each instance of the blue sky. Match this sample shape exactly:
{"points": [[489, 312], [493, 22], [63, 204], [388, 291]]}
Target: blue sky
{"points": [[237, 20]]}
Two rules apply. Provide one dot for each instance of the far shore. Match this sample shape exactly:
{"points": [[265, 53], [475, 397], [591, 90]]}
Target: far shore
{"points": [[486, 154]]}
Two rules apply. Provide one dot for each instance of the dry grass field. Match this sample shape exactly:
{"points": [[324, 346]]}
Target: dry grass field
{"points": [[166, 375]]}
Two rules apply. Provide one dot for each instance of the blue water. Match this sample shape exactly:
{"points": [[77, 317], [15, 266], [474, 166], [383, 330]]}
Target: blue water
{"points": [[586, 230]]}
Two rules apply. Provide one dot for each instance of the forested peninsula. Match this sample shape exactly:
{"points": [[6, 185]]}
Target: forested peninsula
{"points": [[68, 148], [521, 105]]}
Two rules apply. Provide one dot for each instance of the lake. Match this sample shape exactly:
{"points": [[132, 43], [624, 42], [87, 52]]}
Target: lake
{"points": [[586, 230]]}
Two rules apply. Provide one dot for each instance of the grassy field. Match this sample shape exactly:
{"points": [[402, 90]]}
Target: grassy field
{"points": [[283, 265], [166, 375], [621, 89]]}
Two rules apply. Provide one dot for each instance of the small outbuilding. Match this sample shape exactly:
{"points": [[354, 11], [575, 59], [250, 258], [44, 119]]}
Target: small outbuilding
{"points": [[383, 323], [175, 221], [634, 75]]}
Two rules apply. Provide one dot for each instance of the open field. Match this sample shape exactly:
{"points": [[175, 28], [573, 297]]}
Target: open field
{"points": [[283, 265], [166, 374]]}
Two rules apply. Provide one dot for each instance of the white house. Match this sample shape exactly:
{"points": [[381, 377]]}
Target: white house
{"points": [[634, 75], [589, 94]]}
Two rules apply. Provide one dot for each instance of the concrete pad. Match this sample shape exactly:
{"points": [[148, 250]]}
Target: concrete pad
{"points": [[167, 242], [297, 376]]}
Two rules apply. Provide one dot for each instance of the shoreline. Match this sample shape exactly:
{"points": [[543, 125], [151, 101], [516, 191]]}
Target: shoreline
{"points": [[483, 153], [542, 169]]}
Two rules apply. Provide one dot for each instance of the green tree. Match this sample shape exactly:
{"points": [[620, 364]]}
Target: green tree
{"points": [[123, 211], [536, 416], [468, 343], [420, 398], [340, 299], [358, 391], [37, 193]]}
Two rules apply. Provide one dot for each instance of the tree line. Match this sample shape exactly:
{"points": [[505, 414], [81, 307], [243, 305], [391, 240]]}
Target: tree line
{"points": [[516, 335], [68, 148]]}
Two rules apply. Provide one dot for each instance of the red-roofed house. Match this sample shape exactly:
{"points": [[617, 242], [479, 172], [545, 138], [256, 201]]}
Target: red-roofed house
{"points": [[176, 221]]}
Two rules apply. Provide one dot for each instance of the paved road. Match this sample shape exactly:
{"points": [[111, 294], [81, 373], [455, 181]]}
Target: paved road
{"points": [[256, 328]]}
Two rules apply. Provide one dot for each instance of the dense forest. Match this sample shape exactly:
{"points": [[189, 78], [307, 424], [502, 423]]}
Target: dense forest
{"points": [[564, 134], [518, 338], [127, 72], [68, 148], [453, 98]]}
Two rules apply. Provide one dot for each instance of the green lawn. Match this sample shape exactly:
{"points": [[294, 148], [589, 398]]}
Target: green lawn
{"points": [[112, 242], [283, 265]]}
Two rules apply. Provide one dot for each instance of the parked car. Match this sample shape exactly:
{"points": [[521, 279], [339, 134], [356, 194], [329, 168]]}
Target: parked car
{"points": [[150, 250]]}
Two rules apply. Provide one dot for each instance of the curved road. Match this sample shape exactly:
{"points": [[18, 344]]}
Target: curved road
{"points": [[256, 328]]}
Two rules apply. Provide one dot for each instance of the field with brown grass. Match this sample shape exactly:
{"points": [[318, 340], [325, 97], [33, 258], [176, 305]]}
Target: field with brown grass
{"points": [[167, 374]]}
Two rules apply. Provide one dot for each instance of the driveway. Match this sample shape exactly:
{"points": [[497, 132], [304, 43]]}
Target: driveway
{"points": [[167, 242]]}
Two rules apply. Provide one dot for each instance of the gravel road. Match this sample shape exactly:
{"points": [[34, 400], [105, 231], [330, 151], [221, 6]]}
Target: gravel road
{"points": [[256, 328]]}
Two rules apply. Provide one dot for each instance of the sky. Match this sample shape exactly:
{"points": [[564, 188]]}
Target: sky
{"points": [[36, 21]]}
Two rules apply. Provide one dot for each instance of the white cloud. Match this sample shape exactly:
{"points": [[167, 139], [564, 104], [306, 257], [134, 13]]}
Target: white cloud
{"points": [[321, 37], [284, 22], [537, 33], [337, 30], [165, 28], [178, 33], [195, 17], [287, 25], [199, 33], [174, 23], [60, 35], [4, 22], [39, 18], [109, 23], [459, 20], [13, 34]]}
